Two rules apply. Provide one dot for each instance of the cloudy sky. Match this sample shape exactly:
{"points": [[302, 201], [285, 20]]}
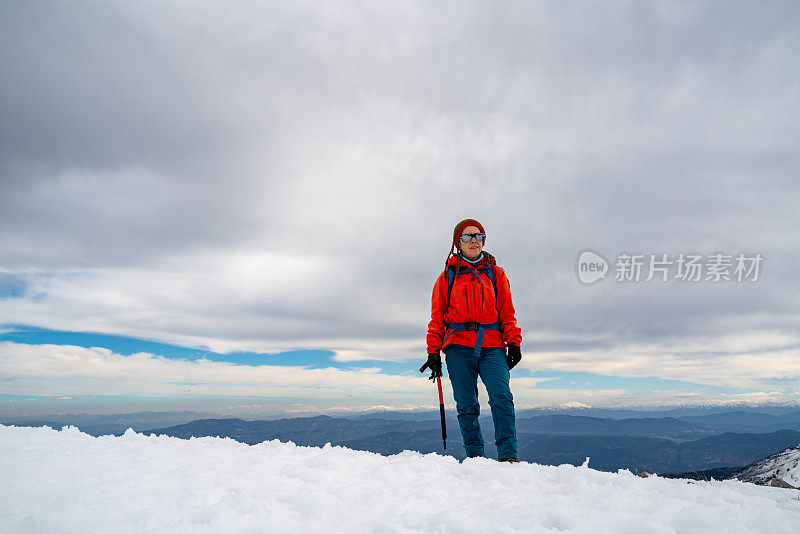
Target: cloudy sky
{"points": [[207, 206]]}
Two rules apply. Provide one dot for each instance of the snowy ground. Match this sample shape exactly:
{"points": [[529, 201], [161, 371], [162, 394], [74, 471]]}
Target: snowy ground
{"points": [[66, 481]]}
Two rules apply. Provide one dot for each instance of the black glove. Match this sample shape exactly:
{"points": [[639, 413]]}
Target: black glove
{"points": [[513, 357], [434, 363]]}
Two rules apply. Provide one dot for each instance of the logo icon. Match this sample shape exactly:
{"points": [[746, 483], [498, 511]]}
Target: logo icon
{"points": [[591, 267]]}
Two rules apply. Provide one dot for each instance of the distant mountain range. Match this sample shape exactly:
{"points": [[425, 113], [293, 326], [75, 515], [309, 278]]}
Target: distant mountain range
{"points": [[678, 441], [790, 410], [641, 444]]}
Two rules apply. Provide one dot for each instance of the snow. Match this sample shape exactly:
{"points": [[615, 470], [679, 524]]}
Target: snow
{"points": [[784, 465], [67, 481]]}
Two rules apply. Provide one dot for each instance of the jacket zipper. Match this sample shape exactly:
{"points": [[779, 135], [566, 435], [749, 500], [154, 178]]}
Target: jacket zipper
{"points": [[483, 307], [475, 289]]}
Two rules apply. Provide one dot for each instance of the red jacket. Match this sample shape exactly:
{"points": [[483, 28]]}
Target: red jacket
{"points": [[473, 300]]}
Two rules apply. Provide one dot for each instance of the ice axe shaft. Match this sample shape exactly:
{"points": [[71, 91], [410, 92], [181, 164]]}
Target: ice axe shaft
{"points": [[441, 412]]}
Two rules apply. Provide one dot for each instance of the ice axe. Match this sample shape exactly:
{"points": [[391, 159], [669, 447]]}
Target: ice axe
{"points": [[441, 401]]}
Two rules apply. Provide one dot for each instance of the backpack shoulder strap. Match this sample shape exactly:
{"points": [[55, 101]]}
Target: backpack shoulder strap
{"points": [[490, 273], [451, 274]]}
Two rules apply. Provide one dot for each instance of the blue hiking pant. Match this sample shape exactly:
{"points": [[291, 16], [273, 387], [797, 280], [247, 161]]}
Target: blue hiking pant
{"points": [[463, 368]]}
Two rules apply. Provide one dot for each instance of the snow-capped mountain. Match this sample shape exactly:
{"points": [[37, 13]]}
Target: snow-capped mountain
{"points": [[784, 465]]}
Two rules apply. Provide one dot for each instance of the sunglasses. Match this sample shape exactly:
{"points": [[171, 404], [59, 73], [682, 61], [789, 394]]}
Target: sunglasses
{"points": [[479, 237]]}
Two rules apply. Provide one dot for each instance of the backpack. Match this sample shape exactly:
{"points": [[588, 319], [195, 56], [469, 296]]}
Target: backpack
{"points": [[480, 328]]}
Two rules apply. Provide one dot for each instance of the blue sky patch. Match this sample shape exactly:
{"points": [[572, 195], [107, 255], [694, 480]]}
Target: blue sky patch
{"points": [[12, 286], [312, 359], [636, 384]]}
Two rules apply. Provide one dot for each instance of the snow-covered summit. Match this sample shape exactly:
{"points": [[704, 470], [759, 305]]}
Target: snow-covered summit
{"points": [[67, 481], [784, 465]]}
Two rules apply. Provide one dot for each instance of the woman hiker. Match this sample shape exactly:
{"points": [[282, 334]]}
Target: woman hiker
{"points": [[473, 321]]}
